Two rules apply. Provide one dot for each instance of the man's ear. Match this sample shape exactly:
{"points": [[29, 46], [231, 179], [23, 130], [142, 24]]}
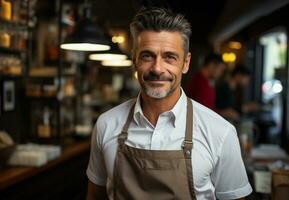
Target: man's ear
{"points": [[186, 63]]}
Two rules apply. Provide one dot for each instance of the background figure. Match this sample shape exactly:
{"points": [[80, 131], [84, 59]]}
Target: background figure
{"points": [[227, 102], [200, 86]]}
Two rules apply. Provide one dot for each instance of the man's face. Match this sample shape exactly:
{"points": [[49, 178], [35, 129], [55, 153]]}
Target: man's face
{"points": [[160, 62]]}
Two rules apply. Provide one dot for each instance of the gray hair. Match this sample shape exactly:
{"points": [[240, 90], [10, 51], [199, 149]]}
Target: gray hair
{"points": [[160, 19]]}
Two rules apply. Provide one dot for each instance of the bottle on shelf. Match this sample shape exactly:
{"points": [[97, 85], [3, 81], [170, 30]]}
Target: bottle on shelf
{"points": [[5, 39], [44, 127], [6, 10]]}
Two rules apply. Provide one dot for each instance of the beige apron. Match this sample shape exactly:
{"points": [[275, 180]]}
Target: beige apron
{"points": [[141, 174]]}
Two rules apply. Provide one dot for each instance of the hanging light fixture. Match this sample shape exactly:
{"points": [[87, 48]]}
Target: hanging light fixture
{"points": [[87, 36], [113, 54], [117, 63]]}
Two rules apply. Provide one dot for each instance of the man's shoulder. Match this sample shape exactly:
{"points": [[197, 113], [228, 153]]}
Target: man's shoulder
{"points": [[208, 118]]}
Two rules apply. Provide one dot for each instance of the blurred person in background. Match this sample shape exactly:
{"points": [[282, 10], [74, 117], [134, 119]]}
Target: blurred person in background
{"points": [[200, 87], [228, 103]]}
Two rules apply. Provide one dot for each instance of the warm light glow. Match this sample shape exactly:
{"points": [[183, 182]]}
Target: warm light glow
{"points": [[235, 45], [229, 57], [117, 39], [85, 47], [272, 87], [107, 56], [277, 87], [266, 86], [117, 63], [135, 75]]}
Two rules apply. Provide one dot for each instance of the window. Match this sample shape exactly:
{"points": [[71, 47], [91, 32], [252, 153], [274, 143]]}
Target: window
{"points": [[274, 46]]}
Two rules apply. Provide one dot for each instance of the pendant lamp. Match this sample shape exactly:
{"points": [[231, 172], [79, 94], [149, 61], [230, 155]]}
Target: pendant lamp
{"points": [[117, 63], [113, 54], [87, 35]]}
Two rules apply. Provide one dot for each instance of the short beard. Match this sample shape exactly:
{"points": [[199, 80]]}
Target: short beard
{"points": [[154, 93], [157, 95]]}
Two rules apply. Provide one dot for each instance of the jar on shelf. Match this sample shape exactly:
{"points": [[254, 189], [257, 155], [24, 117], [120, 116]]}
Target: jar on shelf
{"points": [[5, 39], [44, 129], [6, 10]]}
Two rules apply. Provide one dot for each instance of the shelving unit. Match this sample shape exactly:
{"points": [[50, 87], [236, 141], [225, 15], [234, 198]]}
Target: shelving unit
{"points": [[47, 88], [50, 90], [13, 63]]}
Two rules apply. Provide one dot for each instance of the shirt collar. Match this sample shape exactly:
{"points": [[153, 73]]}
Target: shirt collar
{"points": [[179, 108], [176, 111], [137, 110]]}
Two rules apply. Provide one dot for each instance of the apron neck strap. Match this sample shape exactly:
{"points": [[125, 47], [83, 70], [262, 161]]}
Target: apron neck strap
{"points": [[188, 142], [123, 136]]}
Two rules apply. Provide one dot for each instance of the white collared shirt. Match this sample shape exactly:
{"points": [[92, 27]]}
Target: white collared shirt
{"points": [[218, 169]]}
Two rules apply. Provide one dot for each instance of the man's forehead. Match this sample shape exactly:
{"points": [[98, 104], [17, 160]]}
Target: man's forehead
{"points": [[170, 41], [172, 35]]}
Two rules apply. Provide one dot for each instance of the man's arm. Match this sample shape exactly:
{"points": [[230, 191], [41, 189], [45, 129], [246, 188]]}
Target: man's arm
{"points": [[229, 162], [96, 192]]}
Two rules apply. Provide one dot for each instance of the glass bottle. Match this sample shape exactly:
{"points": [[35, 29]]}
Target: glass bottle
{"points": [[6, 10], [44, 127]]}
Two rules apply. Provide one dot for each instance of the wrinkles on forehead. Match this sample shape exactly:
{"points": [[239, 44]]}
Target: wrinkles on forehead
{"points": [[164, 41]]}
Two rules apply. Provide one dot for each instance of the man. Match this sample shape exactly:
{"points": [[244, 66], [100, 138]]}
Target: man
{"points": [[226, 101], [154, 147], [200, 87]]}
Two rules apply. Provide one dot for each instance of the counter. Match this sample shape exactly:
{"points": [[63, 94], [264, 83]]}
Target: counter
{"points": [[59, 176]]}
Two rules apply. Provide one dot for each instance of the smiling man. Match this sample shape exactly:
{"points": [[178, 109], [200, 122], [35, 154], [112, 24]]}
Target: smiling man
{"points": [[163, 145]]}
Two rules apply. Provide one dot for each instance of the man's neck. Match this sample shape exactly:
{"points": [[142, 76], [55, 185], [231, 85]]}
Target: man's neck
{"points": [[153, 107]]}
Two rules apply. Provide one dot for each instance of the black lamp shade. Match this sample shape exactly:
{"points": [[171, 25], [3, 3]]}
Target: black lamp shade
{"points": [[86, 33]]}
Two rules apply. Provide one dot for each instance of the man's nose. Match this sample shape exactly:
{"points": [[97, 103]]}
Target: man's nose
{"points": [[157, 65]]}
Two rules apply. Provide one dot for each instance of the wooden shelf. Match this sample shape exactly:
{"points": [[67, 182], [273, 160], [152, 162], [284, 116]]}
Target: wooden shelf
{"points": [[13, 175], [42, 72], [47, 72], [13, 25], [11, 50]]}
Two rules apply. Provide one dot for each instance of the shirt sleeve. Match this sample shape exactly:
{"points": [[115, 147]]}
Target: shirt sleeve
{"points": [[96, 171], [229, 177]]}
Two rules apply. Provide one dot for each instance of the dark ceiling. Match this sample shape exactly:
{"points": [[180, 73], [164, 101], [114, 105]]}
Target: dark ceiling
{"points": [[201, 14], [212, 20]]}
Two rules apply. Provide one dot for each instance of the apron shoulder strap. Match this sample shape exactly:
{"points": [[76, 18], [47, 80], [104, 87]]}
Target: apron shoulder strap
{"points": [[188, 144], [123, 136]]}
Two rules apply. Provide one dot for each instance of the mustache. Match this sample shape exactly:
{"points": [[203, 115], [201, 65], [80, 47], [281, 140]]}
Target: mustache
{"points": [[151, 76]]}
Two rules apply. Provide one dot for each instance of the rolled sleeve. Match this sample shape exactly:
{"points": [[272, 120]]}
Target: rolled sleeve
{"points": [[229, 177], [234, 194], [96, 171]]}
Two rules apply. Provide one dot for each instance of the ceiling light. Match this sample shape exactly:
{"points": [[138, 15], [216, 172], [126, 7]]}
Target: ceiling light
{"points": [[229, 57], [107, 56], [113, 54], [87, 36], [84, 47], [117, 63], [117, 39], [235, 45]]}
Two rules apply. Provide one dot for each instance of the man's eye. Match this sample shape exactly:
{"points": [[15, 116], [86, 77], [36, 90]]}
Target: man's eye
{"points": [[146, 57], [171, 58]]}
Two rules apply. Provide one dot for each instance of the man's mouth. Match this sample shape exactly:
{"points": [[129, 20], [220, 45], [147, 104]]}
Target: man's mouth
{"points": [[156, 77]]}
